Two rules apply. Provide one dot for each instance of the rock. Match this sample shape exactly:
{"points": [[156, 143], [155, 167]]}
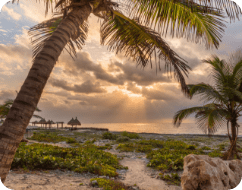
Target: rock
{"points": [[204, 172], [94, 183]]}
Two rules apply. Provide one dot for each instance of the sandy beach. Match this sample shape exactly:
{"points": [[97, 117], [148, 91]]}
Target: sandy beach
{"points": [[138, 176]]}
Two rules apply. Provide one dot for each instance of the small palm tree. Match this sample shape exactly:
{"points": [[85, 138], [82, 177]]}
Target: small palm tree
{"points": [[224, 101]]}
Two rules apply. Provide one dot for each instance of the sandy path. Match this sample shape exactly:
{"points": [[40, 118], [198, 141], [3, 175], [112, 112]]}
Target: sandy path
{"points": [[140, 175]]}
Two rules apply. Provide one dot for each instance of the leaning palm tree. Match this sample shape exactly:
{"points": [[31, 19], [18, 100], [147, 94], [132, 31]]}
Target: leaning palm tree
{"points": [[129, 27], [224, 101]]}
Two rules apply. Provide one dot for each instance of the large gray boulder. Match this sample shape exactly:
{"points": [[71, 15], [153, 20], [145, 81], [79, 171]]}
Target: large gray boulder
{"points": [[206, 173]]}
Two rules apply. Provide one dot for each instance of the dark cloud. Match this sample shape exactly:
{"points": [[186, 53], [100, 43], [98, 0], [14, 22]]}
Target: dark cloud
{"points": [[83, 65], [154, 94], [7, 94], [131, 86], [86, 87]]}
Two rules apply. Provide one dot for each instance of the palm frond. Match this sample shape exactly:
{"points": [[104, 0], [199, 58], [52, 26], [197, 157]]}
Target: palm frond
{"points": [[37, 116], [44, 30], [211, 119], [182, 114], [141, 43], [185, 19], [207, 93], [152, 9]]}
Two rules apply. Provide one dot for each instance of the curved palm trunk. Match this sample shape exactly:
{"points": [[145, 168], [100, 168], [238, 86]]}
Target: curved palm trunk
{"points": [[13, 129], [233, 148]]}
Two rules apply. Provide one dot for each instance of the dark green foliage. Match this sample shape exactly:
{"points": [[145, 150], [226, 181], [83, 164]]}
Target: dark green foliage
{"points": [[108, 184], [215, 153], [86, 158], [122, 139], [51, 137], [205, 148], [174, 178], [131, 135], [110, 136]]}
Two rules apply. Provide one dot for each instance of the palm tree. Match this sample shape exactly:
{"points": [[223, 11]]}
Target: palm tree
{"points": [[224, 101], [121, 31]]}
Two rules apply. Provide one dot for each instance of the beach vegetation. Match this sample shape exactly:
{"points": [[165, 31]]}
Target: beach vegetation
{"points": [[107, 146], [86, 158], [215, 153], [51, 137], [110, 136], [110, 184], [171, 179], [205, 148], [122, 139], [131, 135]]}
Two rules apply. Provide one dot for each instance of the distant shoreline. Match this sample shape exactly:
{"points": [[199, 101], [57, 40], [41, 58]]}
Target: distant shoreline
{"points": [[142, 133]]}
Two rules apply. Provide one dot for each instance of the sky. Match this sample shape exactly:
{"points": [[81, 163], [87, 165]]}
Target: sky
{"points": [[100, 86]]}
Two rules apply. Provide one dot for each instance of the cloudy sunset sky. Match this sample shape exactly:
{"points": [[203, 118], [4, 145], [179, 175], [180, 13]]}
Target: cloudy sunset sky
{"points": [[99, 86]]}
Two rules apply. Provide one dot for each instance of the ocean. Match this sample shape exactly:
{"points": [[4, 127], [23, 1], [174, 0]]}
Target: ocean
{"points": [[161, 128]]}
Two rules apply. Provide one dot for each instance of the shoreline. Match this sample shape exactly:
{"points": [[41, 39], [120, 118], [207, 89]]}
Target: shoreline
{"points": [[141, 133]]}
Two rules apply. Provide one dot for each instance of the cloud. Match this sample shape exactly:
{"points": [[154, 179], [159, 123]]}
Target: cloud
{"points": [[86, 87], [7, 94], [11, 13]]}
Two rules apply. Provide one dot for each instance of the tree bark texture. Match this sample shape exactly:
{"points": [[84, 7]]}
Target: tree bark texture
{"points": [[17, 120]]}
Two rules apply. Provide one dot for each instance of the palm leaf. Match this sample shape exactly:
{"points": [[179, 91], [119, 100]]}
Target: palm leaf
{"points": [[190, 20], [211, 119], [37, 116], [141, 43], [44, 30], [182, 114], [207, 93]]}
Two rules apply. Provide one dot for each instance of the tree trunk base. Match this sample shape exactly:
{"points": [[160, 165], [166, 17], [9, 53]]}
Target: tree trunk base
{"points": [[231, 154]]}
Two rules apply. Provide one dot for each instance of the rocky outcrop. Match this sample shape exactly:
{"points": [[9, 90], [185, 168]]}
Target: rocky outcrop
{"points": [[202, 172]]}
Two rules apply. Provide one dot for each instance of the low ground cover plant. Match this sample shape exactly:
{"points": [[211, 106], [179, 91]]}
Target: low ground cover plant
{"points": [[122, 139], [51, 137], [109, 184], [131, 135], [86, 158], [171, 179], [110, 136]]}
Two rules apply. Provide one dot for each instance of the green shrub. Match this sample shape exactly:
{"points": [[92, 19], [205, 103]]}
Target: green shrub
{"points": [[108, 184], [71, 140], [122, 139], [131, 135], [51, 137], [221, 147], [191, 147], [206, 148], [174, 178], [110, 136], [107, 146], [215, 153], [86, 158], [171, 156]]}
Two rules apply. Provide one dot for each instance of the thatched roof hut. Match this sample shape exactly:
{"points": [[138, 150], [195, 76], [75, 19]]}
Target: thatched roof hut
{"points": [[42, 121], [73, 122]]}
